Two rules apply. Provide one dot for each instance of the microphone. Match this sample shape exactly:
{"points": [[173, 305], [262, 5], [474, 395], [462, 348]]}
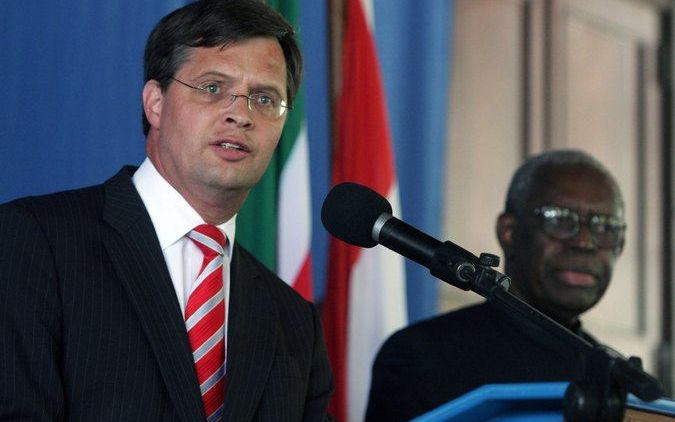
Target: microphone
{"points": [[360, 216], [350, 211]]}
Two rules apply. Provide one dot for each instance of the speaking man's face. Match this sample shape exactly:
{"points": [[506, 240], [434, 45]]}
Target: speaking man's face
{"points": [[209, 139]]}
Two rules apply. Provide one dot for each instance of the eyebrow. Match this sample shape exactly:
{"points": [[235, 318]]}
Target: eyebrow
{"points": [[214, 74]]}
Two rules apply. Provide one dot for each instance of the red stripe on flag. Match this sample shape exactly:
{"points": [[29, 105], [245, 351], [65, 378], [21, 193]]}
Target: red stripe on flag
{"points": [[303, 282], [362, 153]]}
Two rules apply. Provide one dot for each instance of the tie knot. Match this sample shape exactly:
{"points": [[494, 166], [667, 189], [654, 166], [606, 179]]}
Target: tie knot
{"points": [[209, 239]]}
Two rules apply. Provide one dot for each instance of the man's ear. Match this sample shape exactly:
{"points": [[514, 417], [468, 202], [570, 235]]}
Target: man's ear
{"points": [[506, 224], [152, 102]]}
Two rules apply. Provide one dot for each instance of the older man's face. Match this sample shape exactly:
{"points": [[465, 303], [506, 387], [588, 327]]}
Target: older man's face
{"points": [[564, 278]]}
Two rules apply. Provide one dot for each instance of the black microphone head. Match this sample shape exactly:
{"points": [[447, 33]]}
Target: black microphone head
{"points": [[349, 213]]}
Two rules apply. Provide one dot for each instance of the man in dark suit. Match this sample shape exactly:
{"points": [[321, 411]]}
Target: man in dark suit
{"points": [[132, 300], [561, 232]]}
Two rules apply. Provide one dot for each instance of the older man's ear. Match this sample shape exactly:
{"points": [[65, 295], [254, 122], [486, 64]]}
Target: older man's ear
{"points": [[505, 226]]}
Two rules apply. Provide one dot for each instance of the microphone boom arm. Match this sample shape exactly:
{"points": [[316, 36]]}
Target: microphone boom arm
{"points": [[601, 394]]}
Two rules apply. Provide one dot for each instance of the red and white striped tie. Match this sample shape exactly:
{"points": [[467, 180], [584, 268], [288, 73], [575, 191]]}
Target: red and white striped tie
{"points": [[205, 319]]}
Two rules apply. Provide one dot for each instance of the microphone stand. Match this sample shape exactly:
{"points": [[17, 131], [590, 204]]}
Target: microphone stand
{"points": [[601, 393]]}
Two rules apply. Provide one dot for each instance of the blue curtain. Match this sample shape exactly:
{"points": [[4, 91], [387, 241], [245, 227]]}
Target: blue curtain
{"points": [[314, 38], [413, 41], [70, 113]]}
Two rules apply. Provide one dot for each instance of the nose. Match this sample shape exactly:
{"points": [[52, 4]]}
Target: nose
{"points": [[583, 240], [237, 112]]}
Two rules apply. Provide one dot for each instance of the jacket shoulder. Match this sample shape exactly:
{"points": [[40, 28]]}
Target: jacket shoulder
{"points": [[72, 206], [438, 328]]}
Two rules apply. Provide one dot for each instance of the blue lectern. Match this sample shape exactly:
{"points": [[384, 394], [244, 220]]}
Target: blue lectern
{"points": [[539, 402]]}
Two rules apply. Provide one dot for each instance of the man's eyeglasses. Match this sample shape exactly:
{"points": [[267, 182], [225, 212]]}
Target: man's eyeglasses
{"points": [[562, 223], [268, 105]]}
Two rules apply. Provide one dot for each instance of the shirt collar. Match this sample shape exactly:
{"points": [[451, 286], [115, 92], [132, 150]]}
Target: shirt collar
{"points": [[171, 215]]}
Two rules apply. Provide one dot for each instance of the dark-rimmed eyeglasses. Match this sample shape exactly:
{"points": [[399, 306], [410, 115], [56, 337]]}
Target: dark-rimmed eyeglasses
{"points": [[268, 105], [607, 231]]}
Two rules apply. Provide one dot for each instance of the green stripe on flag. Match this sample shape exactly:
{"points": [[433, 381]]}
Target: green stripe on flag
{"points": [[257, 219]]}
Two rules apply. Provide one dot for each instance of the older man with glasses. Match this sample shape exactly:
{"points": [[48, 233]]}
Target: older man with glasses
{"points": [[561, 232]]}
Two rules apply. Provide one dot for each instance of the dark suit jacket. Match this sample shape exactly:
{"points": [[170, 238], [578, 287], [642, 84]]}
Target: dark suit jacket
{"points": [[91, 328], [432, 362]]}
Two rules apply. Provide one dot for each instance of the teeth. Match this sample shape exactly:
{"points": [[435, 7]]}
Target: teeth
{"points": [[229, 145]]}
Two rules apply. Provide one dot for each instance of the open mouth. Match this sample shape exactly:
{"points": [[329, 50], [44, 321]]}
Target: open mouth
{"points": [[230, 145]]}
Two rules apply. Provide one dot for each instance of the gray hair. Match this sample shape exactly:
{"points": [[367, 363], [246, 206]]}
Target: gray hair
{"points": [[525, 178]]}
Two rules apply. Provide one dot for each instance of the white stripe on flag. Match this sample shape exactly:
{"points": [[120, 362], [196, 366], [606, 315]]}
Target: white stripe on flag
{"points": [[377, 308], [295, 221]]}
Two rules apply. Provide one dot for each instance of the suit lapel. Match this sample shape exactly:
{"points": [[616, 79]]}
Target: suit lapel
{"points": [[137, 257], [251, 339]]}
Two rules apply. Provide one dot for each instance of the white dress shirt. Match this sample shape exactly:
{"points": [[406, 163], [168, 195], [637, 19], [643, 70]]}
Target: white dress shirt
{"points": [[173, 218]]}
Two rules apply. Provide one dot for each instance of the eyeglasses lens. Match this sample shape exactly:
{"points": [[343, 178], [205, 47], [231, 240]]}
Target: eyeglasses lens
{"points": [[564, 224], [559, 224], [606, 233]]}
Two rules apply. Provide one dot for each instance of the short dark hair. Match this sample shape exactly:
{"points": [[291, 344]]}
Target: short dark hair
{"points": [[211, 23], [528, 174]]}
